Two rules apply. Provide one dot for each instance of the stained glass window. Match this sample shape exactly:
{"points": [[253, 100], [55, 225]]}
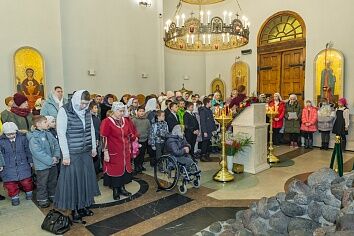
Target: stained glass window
{"points": [[281, 28]]}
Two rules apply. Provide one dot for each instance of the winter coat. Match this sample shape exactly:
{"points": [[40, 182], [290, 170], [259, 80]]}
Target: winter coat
{"points": [[172, 121], [292, 126], [309, 115], [158, 133], [180, 114], [143, 127], [190, 125], [23, 123], [50, 107], [44, 146], [16, 163], [175, 146], [325, 116], [96, 124], [281, 112], [119, 145], [207, 123]]}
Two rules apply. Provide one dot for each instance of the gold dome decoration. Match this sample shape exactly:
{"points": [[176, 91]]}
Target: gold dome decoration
{"points": [[202, 2]]}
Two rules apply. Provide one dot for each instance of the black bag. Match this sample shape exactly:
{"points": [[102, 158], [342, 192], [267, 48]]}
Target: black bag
{"points": [[56, 223]]}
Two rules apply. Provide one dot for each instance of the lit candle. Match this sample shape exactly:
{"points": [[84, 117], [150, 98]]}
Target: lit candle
{"points": [[187, 38], [175, 34], [204, 38], [201, 17], [209, 37], [177, 20], [192, 36], [183, 17], [228, 37], [208, 14], [223, 37], [224, 19], [230, 17]]}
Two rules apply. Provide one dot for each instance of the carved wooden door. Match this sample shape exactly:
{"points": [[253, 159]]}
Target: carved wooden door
{"points": [[269, 73]]}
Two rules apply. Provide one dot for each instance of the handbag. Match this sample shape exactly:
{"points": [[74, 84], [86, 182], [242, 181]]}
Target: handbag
{"points": [[56, 223]]}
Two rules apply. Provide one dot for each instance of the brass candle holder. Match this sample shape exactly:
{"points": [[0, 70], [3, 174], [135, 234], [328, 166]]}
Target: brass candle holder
{"points": [[223, 117], [271, 113]]}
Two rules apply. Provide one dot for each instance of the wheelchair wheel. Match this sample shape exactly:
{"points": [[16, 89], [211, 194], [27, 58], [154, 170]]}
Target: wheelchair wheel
{"points": [[166, 173], [182, 188], [196, 182]]}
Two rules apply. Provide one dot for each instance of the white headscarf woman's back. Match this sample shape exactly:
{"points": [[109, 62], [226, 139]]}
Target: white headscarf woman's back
{"points": [[76, 102], [151, 105]]}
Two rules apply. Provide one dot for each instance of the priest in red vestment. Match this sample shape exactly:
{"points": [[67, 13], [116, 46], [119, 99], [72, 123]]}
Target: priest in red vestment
{"points": [[118, 134]]}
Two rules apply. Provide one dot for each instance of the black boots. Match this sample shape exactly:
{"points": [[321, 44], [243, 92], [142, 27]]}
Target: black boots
{"points": [[85, 212], [310, 143], [124, 192], [116, 194], [76, 217]]}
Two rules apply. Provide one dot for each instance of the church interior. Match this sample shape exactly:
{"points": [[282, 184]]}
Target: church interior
{"points": [[269, 168]]}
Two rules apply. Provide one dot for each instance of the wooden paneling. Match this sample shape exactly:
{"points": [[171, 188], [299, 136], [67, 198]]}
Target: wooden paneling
{"points": [[269, 73]]}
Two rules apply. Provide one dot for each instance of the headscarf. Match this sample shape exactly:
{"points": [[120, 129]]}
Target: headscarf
{"points": [[151, 105], [9, 128], [76, 102], [278, 94], [343, 101], [116, 106], [177, 130], [56, 100], [130, 102]]}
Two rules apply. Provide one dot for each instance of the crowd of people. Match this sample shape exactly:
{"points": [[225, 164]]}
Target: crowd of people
{"points": [[68, 143]]}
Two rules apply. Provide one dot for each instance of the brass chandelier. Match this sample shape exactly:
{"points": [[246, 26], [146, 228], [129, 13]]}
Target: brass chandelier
{"points": [[205, 32]]}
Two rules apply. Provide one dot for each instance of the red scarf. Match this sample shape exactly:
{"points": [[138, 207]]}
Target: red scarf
{"points": [[21, 111]]}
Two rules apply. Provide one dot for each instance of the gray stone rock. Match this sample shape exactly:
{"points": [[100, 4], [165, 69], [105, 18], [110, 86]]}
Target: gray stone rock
{"points": [[248, 216], [330, 213], [244, 232], [302, 199], [298, 186], [227, 233], [302, 224], [215, 227], [272, 204], [345, 222], [324, 230], [239, 215], [258, 227], [348, 197], [273, 233], [349, 179], [319, 191], [262, 208], [341, 233], [331, 200], [206, 233], [324, 175], [315, 211], [279, 224], [230, 221], [237, 225], [338, 190], [280, 197], [339, 180], [348, 209], [290, 196], [226, 227], [291, 209], [299, 232]]}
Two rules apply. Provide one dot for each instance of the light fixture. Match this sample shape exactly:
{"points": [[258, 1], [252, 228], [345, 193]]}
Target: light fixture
{"points": [[204, 31], [145, 3]]}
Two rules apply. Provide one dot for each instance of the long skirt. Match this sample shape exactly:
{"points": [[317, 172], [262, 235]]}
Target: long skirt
{"points": [[117, 181], [77, 185]]}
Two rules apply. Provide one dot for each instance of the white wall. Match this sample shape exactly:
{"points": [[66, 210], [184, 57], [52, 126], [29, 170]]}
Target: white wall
{"points": [[35, 24], [119, 39], [325, 21]]}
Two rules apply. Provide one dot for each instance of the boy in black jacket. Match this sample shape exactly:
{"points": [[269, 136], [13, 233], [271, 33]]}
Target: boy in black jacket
{"points": [[207, 126], [191, 126], [96, 124]]}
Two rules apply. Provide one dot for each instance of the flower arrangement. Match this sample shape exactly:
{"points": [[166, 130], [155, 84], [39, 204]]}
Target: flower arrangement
{"points": [[236, 143]]}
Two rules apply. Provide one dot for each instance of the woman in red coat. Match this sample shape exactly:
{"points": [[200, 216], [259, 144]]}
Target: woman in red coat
{"points": [[278, 120], [118, 133], [309, 123]]}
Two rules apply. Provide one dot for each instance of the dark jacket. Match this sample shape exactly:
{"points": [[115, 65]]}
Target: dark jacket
{"points": [[175, 145], [172, 121], [104, 108], [96, 124], [16, 162], [292, 126], [167, 112], [190, 124], [207, 123], [44, 146], [23, 123]]}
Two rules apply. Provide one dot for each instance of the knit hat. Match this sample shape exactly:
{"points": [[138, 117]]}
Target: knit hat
{"points": [[9, 127], [8, 100], [19, 99], [118, 106], [343, 101]]}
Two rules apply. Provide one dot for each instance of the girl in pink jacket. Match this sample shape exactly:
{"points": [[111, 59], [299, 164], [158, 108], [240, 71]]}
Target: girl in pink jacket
{"points": [[309, 123]]}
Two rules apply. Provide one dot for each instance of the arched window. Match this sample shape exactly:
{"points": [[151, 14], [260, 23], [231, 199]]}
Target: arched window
{"points": [[282, 27]]}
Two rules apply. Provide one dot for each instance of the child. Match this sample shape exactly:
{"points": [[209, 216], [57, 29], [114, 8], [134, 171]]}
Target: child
{"points": [[326, 115], [46, 154], [341, 124], [15, 163], [309, 123], [143, 127], [158, 134], [181, 111], [96, 124], [52, 126], [191, 126], [207, 126]]}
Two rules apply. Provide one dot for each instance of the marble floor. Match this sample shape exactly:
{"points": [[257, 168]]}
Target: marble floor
{"points": [[151, 212]]}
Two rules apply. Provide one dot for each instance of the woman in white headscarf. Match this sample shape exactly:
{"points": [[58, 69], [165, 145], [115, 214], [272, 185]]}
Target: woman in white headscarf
{"points": [[118, 134], [150, 109], [77, 185]]}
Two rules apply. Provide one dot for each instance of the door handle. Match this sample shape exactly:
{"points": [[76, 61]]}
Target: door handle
{"points": [[266, 68]]}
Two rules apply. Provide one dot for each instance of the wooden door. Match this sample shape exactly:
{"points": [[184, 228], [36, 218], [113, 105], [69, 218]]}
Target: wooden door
{"points": [[269, 73], [293, 74]]}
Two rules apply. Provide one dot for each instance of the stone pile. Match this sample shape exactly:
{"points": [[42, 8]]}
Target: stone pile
{"points": [[323, 206]]}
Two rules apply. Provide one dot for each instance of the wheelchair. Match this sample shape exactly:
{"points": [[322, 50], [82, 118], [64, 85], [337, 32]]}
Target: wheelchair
{"points": [[168, 173]]}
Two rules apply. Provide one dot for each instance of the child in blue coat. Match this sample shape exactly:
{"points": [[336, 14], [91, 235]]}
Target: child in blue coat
{"points": [[15, 163], [46, 153]]}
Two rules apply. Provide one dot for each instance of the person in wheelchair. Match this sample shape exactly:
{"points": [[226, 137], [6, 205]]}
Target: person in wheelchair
{"points": [[178, 147]]}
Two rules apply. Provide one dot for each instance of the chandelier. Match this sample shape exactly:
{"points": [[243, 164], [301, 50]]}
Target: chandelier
{"points": [[206, 32]]}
